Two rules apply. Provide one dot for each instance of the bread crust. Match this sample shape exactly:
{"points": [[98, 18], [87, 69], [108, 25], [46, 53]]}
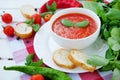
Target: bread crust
{"points": [[27, 11], [80, 63], [23, 35], [59, 63]]}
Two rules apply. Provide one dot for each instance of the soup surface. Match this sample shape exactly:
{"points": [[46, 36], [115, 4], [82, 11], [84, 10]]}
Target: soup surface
{"points": [[74, 32]]}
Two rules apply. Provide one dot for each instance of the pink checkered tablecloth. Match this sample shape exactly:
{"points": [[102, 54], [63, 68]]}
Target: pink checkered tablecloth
{"points": [[22, 47]]}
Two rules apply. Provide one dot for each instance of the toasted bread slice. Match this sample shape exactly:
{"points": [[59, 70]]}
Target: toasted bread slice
{"points": [[79, 59], [60, 57], [27, 11], [22, 30]]}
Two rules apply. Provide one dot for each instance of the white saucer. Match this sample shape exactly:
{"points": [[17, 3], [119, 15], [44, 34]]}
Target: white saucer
{"points": [[44, 47]]}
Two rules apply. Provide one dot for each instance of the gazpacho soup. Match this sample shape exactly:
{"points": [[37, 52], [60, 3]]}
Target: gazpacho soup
{"points": [[74, 26]]}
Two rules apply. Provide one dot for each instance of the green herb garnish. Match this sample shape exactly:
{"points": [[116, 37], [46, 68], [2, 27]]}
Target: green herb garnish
{"points": [[29, 22], [45, 13], [96, 60], [36, 27], [82, 24], [51, 8], [67, 23]]}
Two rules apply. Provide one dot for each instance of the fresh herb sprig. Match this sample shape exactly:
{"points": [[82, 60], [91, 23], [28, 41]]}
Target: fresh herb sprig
{"points": [[51, 9], [110, 32], [35, 27], [69, 23]]}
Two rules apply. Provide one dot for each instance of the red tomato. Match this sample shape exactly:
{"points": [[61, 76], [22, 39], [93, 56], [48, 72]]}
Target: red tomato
{"points": [[9, 30], [7, 18], [47, 17], [37, 77], [36, 18]]}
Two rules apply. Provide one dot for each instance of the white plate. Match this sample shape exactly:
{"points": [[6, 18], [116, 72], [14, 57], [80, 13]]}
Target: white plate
{"points": [[44, 47]]}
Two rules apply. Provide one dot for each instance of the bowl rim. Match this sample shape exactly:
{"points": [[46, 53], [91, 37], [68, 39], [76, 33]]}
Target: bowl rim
{"points": [[78, 39]]}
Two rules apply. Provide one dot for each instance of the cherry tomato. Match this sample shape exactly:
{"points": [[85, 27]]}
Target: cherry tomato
{"points": [[37, 19], [37, 77], [9, 30], [47, 17], [7, 18]]}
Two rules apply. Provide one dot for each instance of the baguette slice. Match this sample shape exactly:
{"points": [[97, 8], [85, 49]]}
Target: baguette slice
{"points": [[22, 30], [79, 59], [27, 11], [60, 57]]}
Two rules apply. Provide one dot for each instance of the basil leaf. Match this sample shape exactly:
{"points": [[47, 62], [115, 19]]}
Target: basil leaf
{"points": [[29, 22], [45, 13], [48, 7], [114, 22], [99, 1], [53, 7], [117, 5], [106, 33], [111, 41], [82, 24], [107, 67], [109, 54], [118, 64], [115, 32], [116, 47], [113, 14], [30, 62], [96, 60], [90, 5], [36, 27], [67, 23], [116, 74]]}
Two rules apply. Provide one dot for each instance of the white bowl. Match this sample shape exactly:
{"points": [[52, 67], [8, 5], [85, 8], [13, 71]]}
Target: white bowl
{"points": [[76, 43]]}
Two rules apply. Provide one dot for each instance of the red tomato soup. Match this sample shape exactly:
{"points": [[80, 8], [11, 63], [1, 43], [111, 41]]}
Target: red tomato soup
{"points": [[74, 32]]}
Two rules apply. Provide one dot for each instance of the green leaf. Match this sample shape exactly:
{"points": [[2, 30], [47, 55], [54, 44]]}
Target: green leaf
{"points": [[111, 41], [90, 5], [48, 7], [53, 7], [99, 1], [67, 23], [82, 24], [116, 47], [29, 61], [113, 14], [96, 60], [118, 64], [45, 13], [117, 5], [106, 33], [107, 67], [115, 32], [102, 30], [37, 64], [116, 74], [29, 22], [109, 54], [36, 27], [114, 22]]}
